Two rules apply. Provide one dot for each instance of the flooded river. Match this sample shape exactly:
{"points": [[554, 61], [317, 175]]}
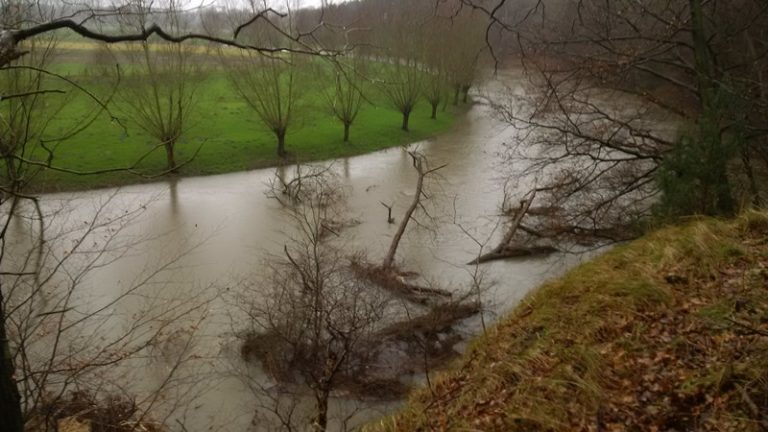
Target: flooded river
{"points": [[194, 240]]}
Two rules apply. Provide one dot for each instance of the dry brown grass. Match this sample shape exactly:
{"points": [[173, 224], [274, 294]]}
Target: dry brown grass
{"points": [[669, 332]]}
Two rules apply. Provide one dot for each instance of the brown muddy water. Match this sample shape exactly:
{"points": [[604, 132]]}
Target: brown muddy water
{"points": [[187, 244]]}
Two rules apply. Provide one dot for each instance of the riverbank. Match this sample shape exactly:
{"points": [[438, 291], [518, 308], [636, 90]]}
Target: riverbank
{"points": [[669, 332], [210, 156], [222, 135]]}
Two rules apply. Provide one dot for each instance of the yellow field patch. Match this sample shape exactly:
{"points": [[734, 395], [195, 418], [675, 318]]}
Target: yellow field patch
{"points": [[136, 46]]}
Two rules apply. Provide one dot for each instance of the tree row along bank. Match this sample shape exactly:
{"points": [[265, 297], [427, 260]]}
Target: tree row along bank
{"points": [[669, 332], [221, 132]]}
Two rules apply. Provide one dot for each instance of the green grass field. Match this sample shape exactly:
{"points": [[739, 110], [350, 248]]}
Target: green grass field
{"points": [[230, 133]]}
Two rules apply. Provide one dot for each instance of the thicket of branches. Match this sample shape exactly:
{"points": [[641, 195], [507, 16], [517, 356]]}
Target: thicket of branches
{"points": [[325, 320], [628, 108], [50, 343], [633, 108]]}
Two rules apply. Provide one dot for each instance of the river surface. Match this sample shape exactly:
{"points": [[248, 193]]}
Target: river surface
{"points": [[214, 232]]}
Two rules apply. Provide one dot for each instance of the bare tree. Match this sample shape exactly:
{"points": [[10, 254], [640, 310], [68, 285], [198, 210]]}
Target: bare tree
{"points": [[58, 334], [403, 86], [78, 19], [633, 103], [437, 73], [344, 96], [464, 33], [268, 86], [401, 38], [39, 283], [323, 320], [423, 171], [159, 90], [312, 315], [387, 275]]}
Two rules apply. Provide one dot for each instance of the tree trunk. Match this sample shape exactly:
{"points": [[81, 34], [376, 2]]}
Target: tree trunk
{"points": [[525, 205], [406, 118], [11, 419], [170, 156], [456, 92], [8, 50], [281, 153], [708, 88], [505, 249], [346, 131], [320, 422], [390, 258], [465, 91], [703, 60], [746, 160], [725, 201], [434, 111]]}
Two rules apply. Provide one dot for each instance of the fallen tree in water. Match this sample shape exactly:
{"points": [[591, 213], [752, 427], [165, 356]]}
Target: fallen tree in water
{"points": [[395, 282], [326, 321], [421, 165], [439, 319], [506, 249], [83, 411], [374, 368], [387, 275]]}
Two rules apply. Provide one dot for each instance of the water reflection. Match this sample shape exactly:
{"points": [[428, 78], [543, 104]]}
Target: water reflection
{"points": [[218, 229]]}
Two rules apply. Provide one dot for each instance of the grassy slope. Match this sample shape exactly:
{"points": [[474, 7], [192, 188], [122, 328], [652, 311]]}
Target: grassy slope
{"points": [[669, 332], [232, 137]]}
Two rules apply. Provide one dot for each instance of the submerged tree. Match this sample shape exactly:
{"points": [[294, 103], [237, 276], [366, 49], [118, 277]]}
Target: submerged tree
{"points": [[423, 171], [51, 342], [313, 315]]}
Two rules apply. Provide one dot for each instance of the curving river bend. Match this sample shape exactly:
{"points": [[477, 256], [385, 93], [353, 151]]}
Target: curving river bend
{"points": [[215, 231]]}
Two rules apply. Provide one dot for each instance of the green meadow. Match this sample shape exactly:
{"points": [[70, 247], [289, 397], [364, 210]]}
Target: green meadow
{"points": [[222, 135]]}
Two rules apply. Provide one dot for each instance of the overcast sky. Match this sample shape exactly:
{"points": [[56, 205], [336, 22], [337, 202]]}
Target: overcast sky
{"points": [[317, 2], [276, 4], [308, 3]]}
